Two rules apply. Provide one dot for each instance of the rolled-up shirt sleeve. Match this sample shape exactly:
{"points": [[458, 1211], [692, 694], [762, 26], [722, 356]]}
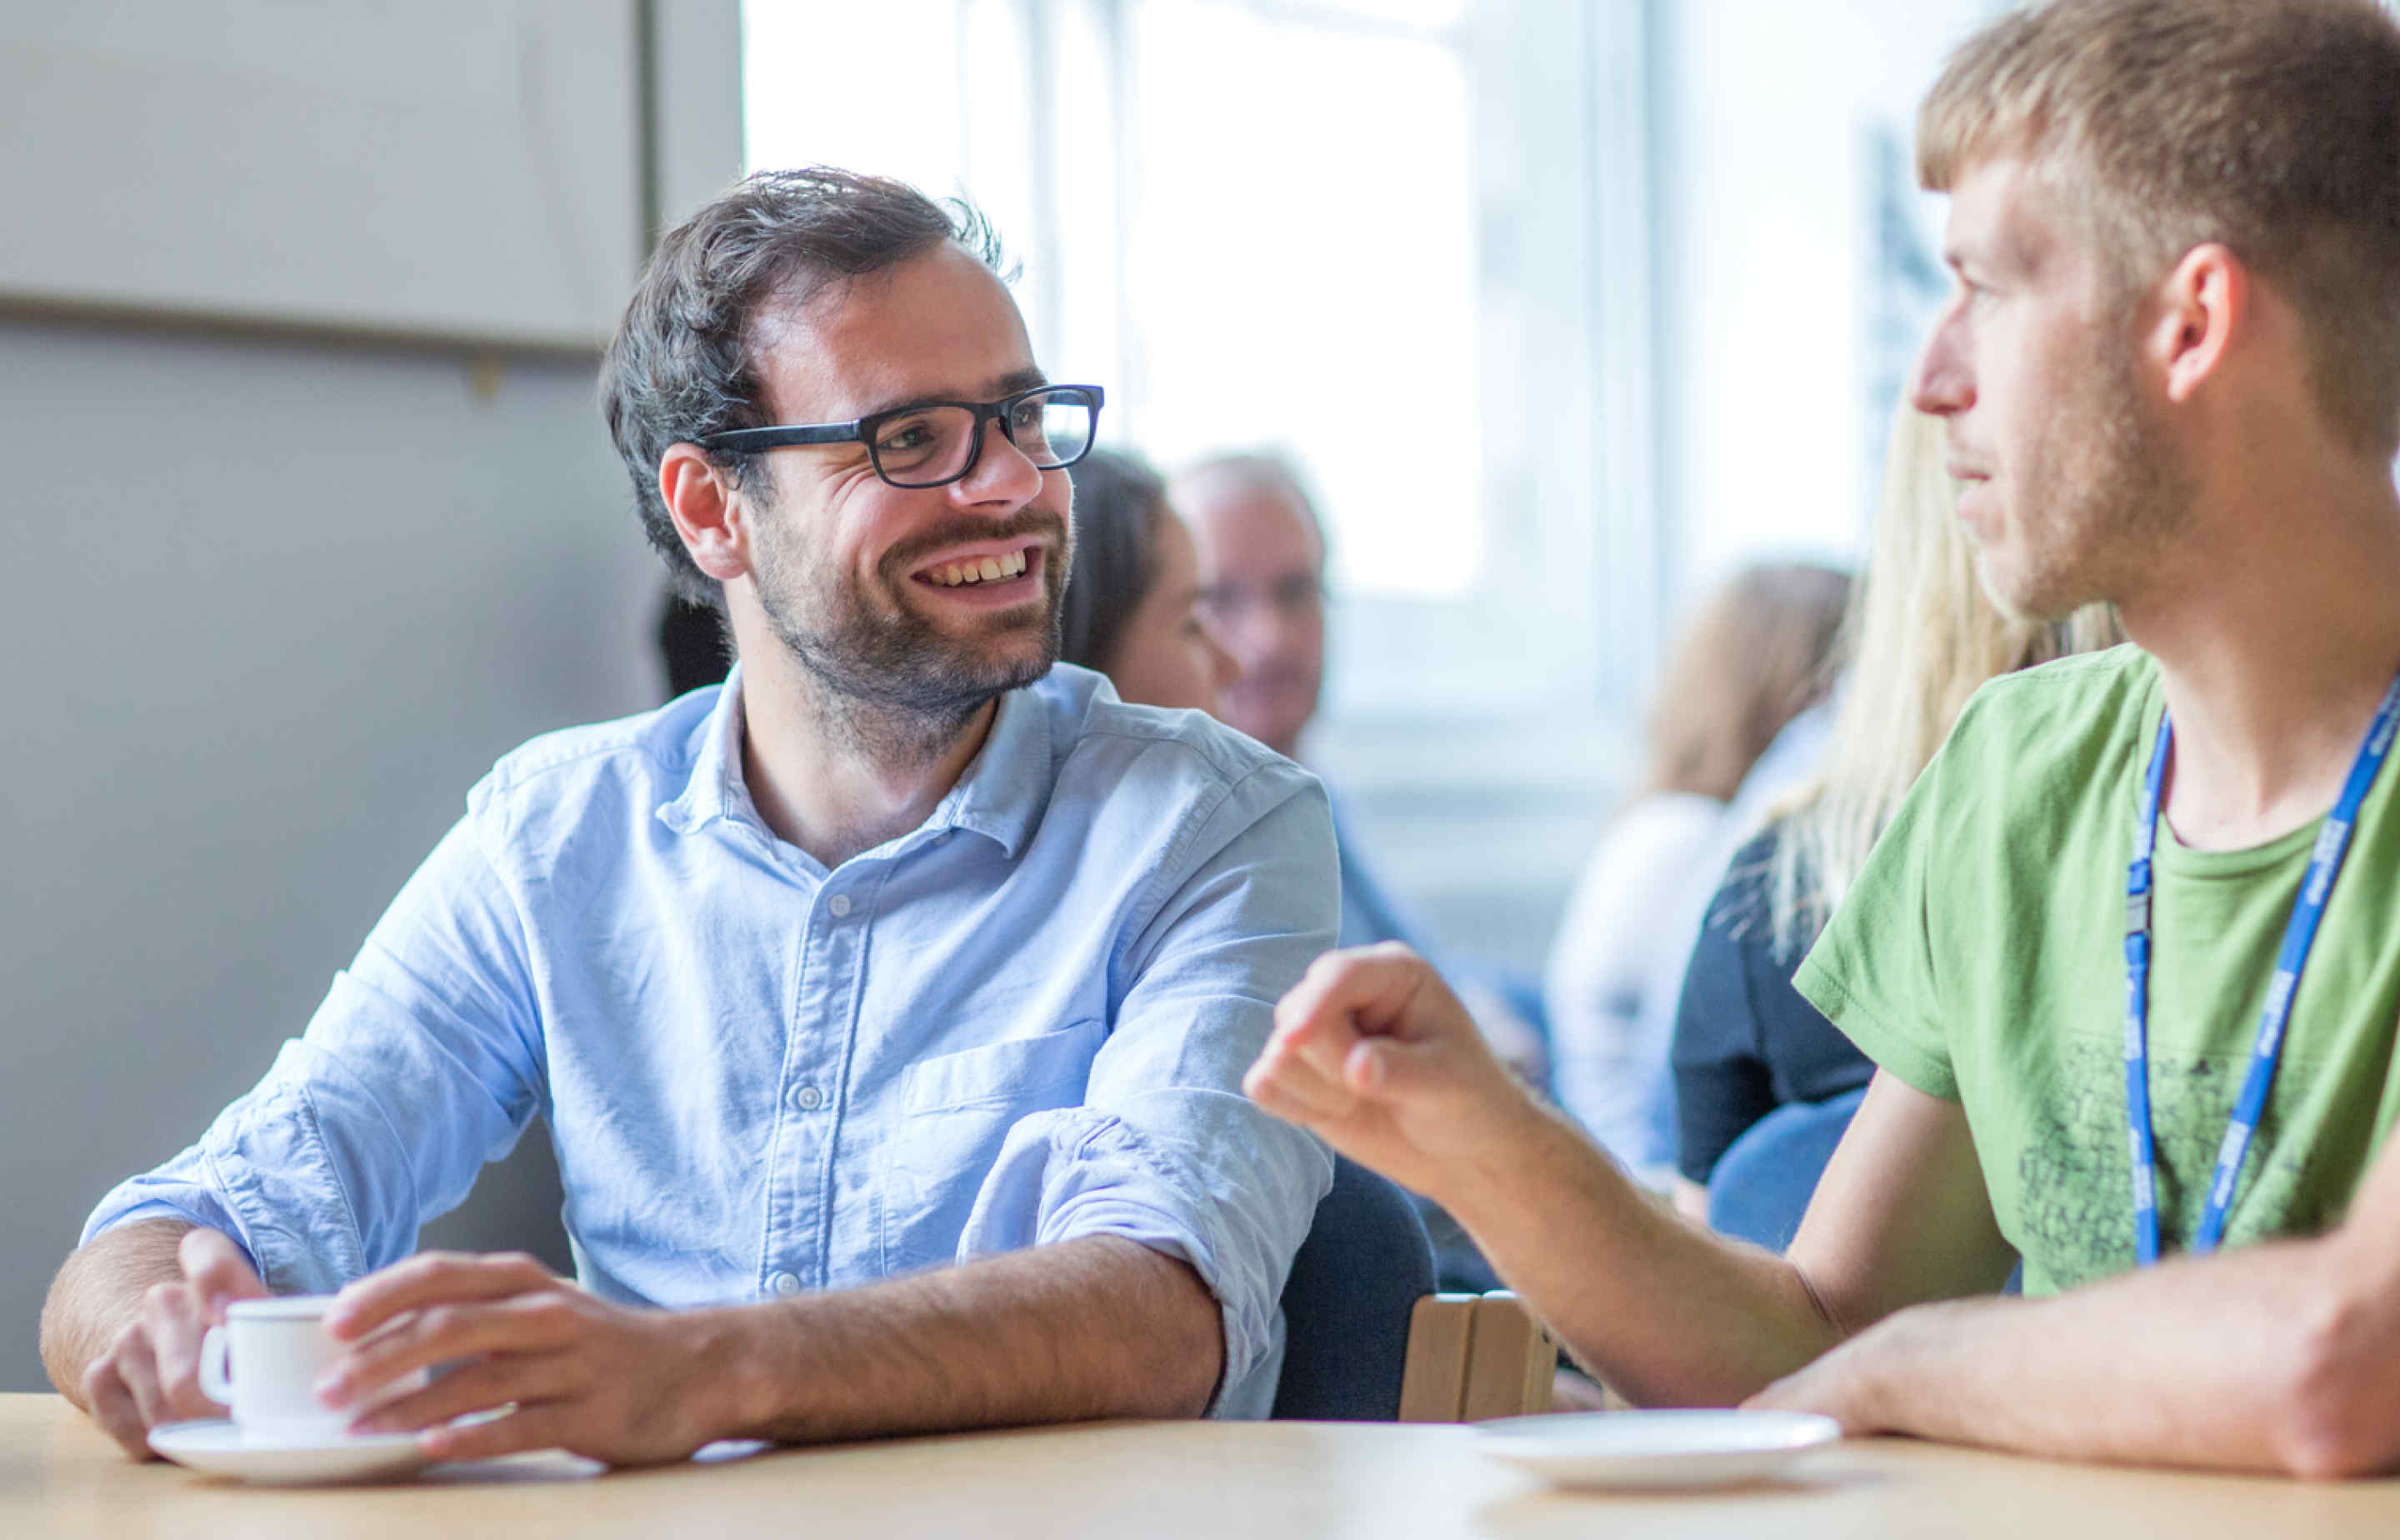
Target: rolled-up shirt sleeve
{"points": [[1166, 1149], [422, 1063]]}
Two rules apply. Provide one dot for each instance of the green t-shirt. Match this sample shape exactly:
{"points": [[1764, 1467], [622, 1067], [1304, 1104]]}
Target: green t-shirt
{"points": [[1981, 957]]}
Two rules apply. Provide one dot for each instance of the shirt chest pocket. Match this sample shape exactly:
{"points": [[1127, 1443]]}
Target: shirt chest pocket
{"points": [[955, 1111]]}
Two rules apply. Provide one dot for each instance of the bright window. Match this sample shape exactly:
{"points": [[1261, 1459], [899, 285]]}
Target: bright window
{"points": [[1358, 231]]}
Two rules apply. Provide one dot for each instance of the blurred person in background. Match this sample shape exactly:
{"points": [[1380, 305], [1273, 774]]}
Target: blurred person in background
{"points": [[1262, 563], [1754, 656], [1920, 637], [1131, 609]]}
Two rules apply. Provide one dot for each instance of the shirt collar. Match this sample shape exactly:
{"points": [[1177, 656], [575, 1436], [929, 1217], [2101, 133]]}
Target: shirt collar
{"points": [[1002, 796], [715, 788], [1006, 787]]}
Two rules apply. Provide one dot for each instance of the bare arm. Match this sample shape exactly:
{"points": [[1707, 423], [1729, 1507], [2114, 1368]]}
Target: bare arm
{"points": [[98, 1293], [1089, 1328], [1093, 1329], [121, 1329], [2274, 1357], [1372, 1052]]}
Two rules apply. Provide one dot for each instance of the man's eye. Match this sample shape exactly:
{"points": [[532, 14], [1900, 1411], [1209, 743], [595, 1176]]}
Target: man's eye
{"points": [[902, 437]]}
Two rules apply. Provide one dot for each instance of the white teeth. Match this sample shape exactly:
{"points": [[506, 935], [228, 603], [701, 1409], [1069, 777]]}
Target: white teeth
{"points": [[981, 570]]}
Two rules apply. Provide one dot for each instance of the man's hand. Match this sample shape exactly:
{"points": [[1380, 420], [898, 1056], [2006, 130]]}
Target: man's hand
{"points": [[1375, 1055], [150, 1374], [620, 1385], [1840, 1385]]}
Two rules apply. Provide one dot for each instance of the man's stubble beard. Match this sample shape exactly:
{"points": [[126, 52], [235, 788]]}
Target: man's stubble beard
{"points": [[889, 679], [2100, 503]]}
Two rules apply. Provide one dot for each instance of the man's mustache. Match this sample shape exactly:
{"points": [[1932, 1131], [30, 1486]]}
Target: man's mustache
{"points": [[967, 530]]}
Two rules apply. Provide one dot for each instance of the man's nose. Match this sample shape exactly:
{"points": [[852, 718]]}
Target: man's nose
{"points": [[1002, 473], [1942, 384], [1223, 667], [1245, 632]]}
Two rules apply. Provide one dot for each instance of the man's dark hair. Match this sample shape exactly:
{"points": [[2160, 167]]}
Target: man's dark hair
{"points": [[1118, 503], [684, 360]]}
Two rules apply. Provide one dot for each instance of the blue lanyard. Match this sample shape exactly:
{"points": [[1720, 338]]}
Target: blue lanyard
{"points": [[2300, 934]]}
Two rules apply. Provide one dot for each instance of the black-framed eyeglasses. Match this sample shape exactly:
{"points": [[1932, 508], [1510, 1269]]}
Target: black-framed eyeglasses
{"points": [[935, 442]]}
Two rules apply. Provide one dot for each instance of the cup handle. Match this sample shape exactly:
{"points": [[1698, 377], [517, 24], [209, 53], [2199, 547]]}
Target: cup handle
{"points": [[216, 1378]]}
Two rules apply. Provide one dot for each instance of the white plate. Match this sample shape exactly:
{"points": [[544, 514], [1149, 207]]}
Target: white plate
{"points": [[221, 1449], [1656, 1448]]}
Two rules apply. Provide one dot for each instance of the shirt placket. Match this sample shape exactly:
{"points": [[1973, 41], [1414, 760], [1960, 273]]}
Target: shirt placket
{"points": [[809, 1098]]}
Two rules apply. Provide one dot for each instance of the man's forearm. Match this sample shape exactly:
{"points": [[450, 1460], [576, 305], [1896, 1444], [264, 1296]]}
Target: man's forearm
{"points": [[2276, 1357], [98, 1293], [1661, 1310], [1087, 1329]]}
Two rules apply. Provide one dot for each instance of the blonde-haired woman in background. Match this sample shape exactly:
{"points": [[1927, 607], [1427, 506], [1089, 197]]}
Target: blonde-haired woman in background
{"points": [[1751, 659], [1921, 637]]}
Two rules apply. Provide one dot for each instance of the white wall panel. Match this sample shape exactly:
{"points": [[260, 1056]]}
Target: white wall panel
{"points": [[465, 168]]}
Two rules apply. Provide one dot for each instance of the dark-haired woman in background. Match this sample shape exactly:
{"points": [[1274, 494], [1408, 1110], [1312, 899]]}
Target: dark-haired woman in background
{"points": [[1128, 610]]}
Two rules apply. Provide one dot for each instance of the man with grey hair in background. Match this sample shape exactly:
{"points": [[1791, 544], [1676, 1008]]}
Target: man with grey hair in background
{"points": [[1264, 556], [886, 1004], [2128, 957]]}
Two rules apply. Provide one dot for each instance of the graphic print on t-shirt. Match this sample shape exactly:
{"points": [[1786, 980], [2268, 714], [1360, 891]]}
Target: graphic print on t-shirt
{"points": [[2075, 1213]]}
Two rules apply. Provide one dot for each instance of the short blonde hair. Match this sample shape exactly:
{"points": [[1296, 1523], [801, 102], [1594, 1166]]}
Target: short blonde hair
{"points": [[2271, 126]]}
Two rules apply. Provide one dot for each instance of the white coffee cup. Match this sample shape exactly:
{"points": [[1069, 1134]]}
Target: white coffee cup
{"points": [[264, 1363]]}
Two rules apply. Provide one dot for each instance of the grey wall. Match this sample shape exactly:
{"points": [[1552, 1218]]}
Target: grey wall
{"points": [[267, 611]]}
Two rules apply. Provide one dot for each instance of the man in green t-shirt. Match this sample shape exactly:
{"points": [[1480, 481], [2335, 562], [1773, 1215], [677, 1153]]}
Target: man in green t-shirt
{"points": [[2171, 379]]}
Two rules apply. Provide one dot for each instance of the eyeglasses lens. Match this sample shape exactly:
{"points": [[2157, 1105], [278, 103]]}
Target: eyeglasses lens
{"points": [[935, 445], [1053, 431]]}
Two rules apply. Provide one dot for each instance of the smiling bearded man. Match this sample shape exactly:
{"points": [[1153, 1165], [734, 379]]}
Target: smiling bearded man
{"points": [[902, 952]]}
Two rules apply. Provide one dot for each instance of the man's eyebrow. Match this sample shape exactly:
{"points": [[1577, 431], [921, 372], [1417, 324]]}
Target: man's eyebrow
{"points": [[1007, 385]]}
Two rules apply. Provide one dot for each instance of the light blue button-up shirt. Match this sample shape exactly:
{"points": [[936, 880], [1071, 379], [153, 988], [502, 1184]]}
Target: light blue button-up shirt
{"points": [[1024, 1022]]}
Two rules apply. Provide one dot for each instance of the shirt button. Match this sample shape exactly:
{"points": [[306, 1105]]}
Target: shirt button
{"points": [[785, 1283], [807, 1099], [839, 904]]}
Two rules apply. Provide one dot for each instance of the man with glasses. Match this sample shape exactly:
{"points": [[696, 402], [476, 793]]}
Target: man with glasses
{"points": [[887, 1005]]}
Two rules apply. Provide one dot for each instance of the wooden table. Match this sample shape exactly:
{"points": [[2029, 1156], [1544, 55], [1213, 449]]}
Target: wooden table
{"points": [[1246, 1480]]}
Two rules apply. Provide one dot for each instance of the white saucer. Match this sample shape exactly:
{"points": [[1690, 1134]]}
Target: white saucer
{"points": [[1654, 1448], [221, 1449]]}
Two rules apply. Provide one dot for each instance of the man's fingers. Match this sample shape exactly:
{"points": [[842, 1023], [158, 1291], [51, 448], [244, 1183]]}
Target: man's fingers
{"points": [[1386, 1068], [139, 1373], [174, 1316], [479, 1387], [1373, 991], [528, 1427], [216, 1269], [429, 1278], [1302, 1078], [443, 1333], [1296, 1093], [113, 1409]]}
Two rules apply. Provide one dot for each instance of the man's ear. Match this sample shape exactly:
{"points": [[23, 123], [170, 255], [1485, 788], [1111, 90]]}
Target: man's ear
{"points": [[2204, 301], [710, 516]]}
